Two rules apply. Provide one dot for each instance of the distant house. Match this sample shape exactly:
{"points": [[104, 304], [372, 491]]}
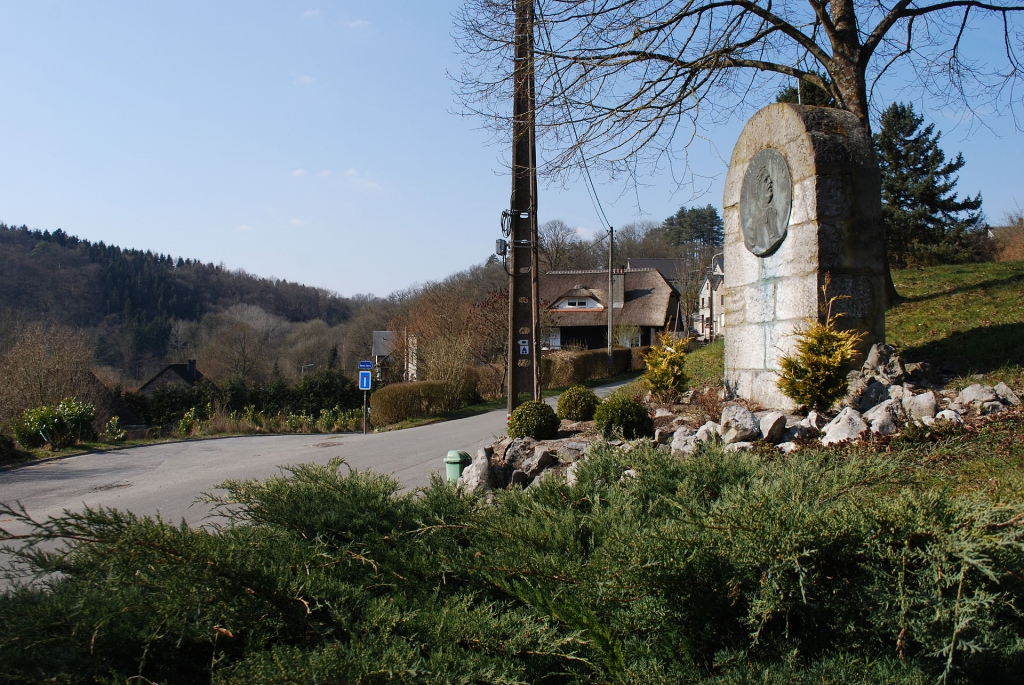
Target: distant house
{"points": [[173, 375], [709, 319], [109, 404], [383, 352], [576, 305]]}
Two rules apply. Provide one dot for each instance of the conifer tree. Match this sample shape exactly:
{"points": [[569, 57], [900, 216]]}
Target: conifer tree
{"points": [[700, 225], [924, 220]]}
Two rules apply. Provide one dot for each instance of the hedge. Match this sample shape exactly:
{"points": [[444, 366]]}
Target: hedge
{"points": [[562, 368], [638, 362], [401, 401]]}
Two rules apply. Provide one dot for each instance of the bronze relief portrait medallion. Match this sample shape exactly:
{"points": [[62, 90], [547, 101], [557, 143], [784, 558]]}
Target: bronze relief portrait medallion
{"points": [[766, 200]]}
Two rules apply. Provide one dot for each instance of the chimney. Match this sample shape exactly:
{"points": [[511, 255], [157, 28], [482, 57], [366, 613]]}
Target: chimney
{"points": [[191, 368], [618, 289]]}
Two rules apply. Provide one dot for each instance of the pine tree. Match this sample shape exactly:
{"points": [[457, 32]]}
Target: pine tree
{"points": [[700, 225], [924, 220]]}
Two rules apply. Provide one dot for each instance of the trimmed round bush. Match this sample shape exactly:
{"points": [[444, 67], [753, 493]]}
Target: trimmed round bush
{"points": [[619, 413], [577, 403], [533, 419]]}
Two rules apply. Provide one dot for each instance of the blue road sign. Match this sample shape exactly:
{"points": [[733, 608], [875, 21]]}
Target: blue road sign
{"points": [[365, 364], [364, 380]]}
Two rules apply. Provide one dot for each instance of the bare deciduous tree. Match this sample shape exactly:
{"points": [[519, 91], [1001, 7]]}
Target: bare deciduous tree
{"points": [[46, 364], [630, 83], [557, 245], [620, 81]]}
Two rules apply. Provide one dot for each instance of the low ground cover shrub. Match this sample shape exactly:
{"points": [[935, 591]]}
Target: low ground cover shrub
{"points": [[620, 414], [533, 419], [56, 425], [824, 567], [577, 403]]}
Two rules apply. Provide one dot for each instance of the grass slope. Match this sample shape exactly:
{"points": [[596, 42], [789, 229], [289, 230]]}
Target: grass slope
{"points": [[968, 316]]}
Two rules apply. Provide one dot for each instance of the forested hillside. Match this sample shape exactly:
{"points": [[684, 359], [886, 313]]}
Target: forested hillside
{"points": [[130, 299]]}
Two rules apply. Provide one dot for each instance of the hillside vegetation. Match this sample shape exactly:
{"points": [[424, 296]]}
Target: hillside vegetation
{"points": [[129, 300]]}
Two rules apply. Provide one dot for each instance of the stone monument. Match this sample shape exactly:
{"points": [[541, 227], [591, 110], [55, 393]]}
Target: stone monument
{"points": [[802, 200]]}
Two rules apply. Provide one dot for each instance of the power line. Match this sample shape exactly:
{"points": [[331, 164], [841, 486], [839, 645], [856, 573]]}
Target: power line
{"points": [[595, 200]]}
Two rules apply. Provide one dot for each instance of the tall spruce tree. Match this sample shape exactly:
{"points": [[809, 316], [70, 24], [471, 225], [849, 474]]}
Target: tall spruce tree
{"points": [[700, 225], [924, 221]]}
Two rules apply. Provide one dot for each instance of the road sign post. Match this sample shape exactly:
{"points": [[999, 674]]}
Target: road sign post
{"points": [[365, 382]]}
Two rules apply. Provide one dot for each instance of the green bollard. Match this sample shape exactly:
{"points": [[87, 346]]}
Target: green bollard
{"points": [[455, 463]]}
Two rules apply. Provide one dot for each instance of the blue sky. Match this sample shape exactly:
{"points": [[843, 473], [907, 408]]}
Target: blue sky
{"points": [[312, 142]]}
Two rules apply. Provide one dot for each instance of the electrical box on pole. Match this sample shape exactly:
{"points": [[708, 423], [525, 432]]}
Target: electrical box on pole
{"points": [[523, 353]]}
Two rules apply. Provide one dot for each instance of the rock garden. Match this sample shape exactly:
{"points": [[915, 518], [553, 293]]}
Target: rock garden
{"points": [[884, 397]]}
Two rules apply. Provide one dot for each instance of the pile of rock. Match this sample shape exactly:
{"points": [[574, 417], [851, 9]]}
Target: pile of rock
{"points": [[885, 395], [522, 461], [883, 398]]}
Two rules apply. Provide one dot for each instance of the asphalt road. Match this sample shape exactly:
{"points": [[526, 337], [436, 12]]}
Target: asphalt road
{"points": [[167, 478]]}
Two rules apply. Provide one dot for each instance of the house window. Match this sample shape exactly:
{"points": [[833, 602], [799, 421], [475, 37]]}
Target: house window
{"points": [[576, 303]]}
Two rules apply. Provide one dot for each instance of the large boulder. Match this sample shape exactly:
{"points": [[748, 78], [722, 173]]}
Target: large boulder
{"points": [[976, 395], [992, 407], [571, 450], [708, 432], [846, 427], [773, 426], [918, 407], [519, 449], [1005, 395], [739, 425], [882, 362], [570, 473], [684, 440], [536, 462], [876, 392], [814, 420], [478, 475], [885, 418]]}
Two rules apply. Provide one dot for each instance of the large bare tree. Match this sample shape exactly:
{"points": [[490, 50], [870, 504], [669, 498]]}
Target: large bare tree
{"points": [[626, 85], [632, 81]]}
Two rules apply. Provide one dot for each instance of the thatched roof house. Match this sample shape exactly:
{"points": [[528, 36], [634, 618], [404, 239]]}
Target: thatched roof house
{"points": [[575, 304]]}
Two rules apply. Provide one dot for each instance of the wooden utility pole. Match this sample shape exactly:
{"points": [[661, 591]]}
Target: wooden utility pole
{"points": [[523, 357], [611, 299]]}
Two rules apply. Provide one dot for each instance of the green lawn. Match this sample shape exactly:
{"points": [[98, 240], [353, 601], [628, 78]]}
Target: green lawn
{"points": [[968, 316]]}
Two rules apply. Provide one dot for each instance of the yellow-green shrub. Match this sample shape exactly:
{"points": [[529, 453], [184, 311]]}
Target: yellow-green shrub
{"points": [[666, 366], [814, 376]]}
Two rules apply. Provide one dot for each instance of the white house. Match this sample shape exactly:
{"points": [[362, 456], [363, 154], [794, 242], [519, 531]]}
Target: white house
{"points": [[709, 319]]}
